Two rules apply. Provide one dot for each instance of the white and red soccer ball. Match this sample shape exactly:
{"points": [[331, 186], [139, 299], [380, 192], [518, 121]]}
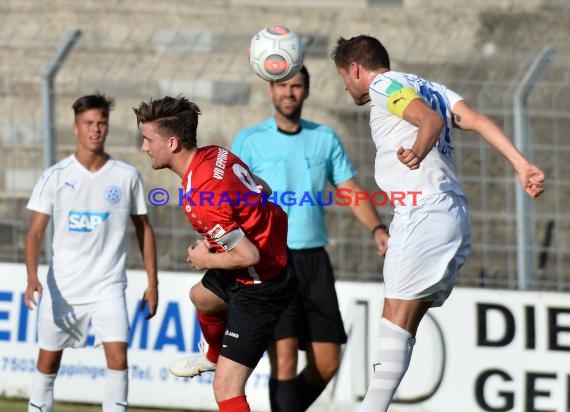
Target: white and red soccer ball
{"points": [[276, 53]]}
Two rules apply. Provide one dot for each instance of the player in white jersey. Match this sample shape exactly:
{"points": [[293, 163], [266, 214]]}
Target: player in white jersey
{"points": [[90, 196], [411, 120], [295, 155]]}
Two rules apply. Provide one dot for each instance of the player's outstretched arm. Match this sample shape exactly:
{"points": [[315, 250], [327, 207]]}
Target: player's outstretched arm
{"points": [[34, 239], [530, 177], [147, 246]]}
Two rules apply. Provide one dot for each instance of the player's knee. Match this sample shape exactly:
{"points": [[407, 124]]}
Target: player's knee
{"points": [[194, 296], [327, 372], [49, 362], [48, 367], [330, 373], [283, 357], [284, 367], [323, 371], [205, 301], [197, 297]]}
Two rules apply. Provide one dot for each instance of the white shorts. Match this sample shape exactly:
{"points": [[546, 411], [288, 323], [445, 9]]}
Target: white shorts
{"points": [[61, 325], [428, 245]]}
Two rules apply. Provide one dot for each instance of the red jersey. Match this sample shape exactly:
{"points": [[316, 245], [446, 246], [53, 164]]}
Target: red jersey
{"points": [[220, 197]]}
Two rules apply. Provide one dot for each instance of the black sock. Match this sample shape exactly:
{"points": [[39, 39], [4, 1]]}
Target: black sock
{"points": [[308, 392], [284, 396]]}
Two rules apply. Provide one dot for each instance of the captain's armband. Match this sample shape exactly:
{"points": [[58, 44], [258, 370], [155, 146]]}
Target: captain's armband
{"points": [[400, 99], [230, 240]]}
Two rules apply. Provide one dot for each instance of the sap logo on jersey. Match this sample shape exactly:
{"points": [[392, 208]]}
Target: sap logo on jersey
{"points": [[85, 221]]}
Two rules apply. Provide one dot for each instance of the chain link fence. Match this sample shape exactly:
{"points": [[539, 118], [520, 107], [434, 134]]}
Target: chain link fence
{"points": [[133, 51]]}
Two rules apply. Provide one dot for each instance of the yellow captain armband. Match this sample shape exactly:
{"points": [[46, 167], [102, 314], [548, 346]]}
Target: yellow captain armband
{"points": [[400, 99]]}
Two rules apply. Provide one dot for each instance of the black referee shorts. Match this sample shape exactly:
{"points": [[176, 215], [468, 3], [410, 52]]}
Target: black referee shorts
{"points": [[253, 311], [313, 314]]}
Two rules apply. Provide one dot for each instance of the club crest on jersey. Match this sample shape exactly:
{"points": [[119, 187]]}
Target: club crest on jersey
{"points": [[85, 222], [113, 194], [216, 232]]}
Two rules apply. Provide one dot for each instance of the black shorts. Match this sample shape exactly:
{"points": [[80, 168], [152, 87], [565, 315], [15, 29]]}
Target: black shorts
{"points": [[253, 311], [313, 314]]}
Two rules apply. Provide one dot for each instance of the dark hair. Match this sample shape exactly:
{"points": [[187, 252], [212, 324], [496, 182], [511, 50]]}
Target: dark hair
{"points": [[174, 116], [93, 101], [365, 50]]}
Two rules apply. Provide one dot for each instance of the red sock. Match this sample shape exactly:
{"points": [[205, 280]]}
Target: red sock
{"points": [[237, 404], [213, 327]]}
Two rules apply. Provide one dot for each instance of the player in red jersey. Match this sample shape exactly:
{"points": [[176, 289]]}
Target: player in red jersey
{"points": [[248, 281]]}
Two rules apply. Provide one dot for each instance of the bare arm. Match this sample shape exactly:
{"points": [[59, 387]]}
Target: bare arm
{"points": [[531, 178], [244, 254], [366, 214], [34, 240], [429, 126], [147, 246]]}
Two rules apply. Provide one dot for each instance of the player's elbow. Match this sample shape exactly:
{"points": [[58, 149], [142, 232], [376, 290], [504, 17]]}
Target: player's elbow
{"points": [[437, 123], [434, 126]]}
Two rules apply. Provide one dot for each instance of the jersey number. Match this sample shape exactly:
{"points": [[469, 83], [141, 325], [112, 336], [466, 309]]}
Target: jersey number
{"points": [[245, 177]]}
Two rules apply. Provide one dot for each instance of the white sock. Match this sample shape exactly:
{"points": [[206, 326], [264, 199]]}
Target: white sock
{"points": [[116, 391], [390, 363], [41, 392]]}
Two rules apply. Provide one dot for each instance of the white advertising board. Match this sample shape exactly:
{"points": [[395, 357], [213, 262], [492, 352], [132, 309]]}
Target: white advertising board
{"points": [[484, 349]]}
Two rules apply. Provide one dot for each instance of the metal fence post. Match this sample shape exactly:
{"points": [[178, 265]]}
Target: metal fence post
{"points": [[521, 137], [48, 114]]}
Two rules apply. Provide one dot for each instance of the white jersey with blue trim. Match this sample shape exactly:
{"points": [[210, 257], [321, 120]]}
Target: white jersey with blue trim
{"points": [[90, 213], [436, 173]]}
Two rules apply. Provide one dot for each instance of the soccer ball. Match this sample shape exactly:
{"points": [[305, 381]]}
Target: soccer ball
{"points": [[276, 54]]}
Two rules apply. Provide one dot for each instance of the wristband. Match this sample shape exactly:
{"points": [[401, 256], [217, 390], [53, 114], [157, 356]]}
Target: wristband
{"points": [[380, 226]]}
